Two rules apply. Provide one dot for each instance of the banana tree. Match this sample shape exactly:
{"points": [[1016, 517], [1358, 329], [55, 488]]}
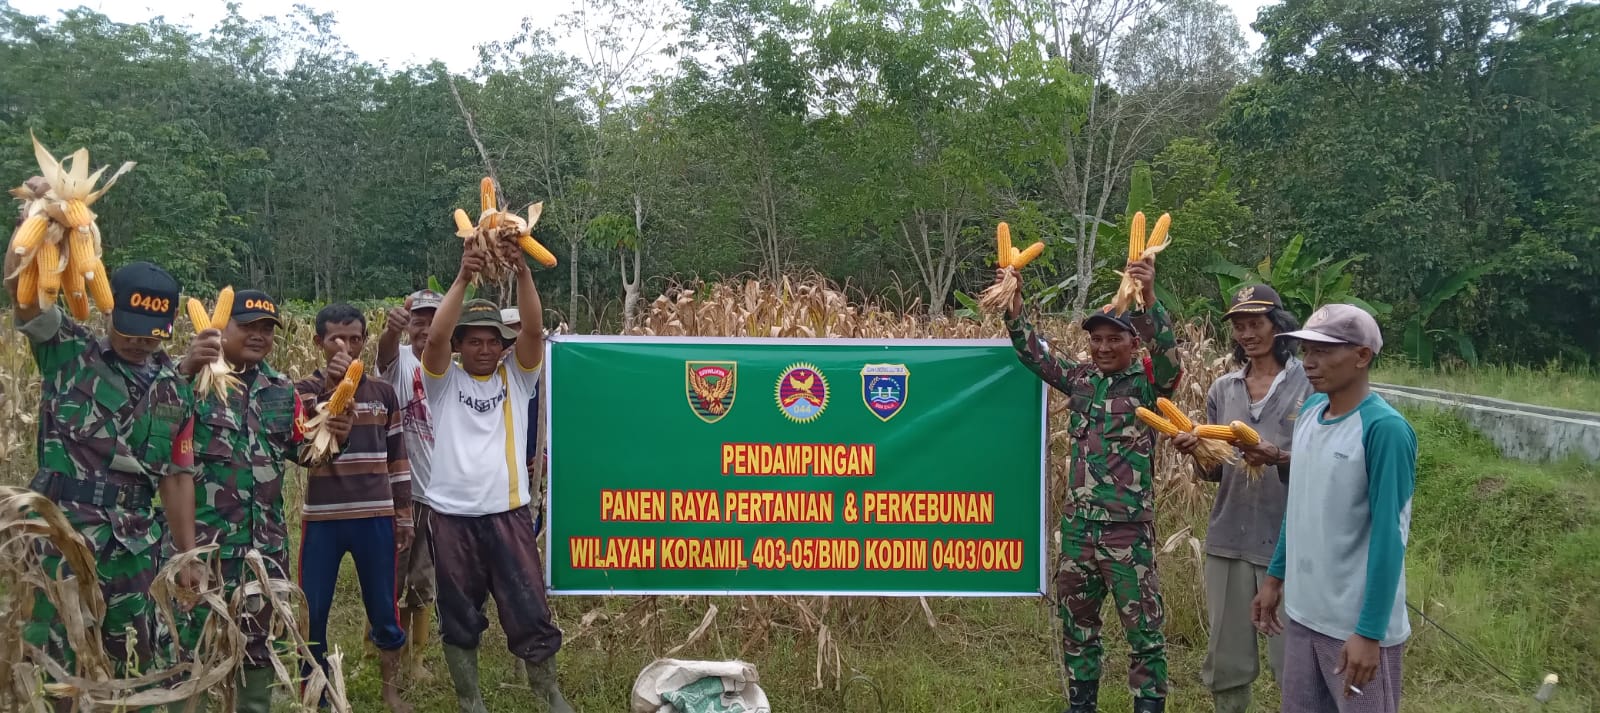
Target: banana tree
{"points": [[1305, 283], [1419, 339]]}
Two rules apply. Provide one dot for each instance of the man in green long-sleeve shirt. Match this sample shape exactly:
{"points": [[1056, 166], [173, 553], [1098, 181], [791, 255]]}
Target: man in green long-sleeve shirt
{"points": [[1108, 530]]}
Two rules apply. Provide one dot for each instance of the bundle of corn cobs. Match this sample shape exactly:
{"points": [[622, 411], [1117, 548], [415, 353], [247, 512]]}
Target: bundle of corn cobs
{"points": [[320, 445], [997, 297], [217, 377], [1129, 292], [58, 240], [500, 234], [1214, 449]]}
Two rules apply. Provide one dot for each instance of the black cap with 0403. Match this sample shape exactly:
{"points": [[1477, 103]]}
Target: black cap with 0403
{"points": [[144, 301], [1121, 320], [1254, 299], [254, 306]]}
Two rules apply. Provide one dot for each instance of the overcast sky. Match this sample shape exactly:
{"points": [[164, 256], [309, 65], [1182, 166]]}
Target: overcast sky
{"points": [[398, 32]]}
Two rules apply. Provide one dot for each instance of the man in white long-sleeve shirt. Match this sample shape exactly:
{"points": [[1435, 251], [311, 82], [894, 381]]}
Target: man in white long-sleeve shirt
{"points": [[1339, 569]]}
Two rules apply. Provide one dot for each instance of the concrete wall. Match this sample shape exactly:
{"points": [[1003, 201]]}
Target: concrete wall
{"points": [[1521, 431]]}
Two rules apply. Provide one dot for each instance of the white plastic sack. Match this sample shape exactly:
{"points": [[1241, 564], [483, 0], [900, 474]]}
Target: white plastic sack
{"points": [[741, 690]]}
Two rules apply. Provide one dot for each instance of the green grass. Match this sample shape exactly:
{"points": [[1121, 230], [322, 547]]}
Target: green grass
{"points": [[1552, 385], [1506, 555]]}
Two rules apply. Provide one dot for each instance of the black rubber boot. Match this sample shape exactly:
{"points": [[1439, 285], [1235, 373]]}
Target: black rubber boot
{"points": [[1149, 705], [1083, 697]]}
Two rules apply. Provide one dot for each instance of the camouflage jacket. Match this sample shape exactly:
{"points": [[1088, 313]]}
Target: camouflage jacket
{"points": [[95, 426], [1111, 472], [243, 447]]}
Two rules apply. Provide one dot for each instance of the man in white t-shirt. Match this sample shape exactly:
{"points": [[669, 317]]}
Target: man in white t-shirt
{"points": [[478, 491], [400, 366]]}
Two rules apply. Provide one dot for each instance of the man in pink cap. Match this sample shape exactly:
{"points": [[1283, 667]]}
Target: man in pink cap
{"points": [[1339, 568]]}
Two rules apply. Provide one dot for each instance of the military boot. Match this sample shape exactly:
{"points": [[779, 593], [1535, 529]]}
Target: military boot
{"points": [[1083, 696], [463, 665], [255, 690], [542, 679], [1149, 705]]}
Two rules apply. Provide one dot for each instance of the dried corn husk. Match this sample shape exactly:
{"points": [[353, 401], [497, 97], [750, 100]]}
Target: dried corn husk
{"points": [[997, 298], [30, 676]]}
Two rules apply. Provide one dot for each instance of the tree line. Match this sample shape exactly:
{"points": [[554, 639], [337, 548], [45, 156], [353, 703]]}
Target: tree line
{"points": [[1437, 160]]}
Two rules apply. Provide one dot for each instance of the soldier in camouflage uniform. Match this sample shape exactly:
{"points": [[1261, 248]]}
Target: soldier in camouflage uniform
{"points": [[115, 421], [242, 447], [1108, 529]]}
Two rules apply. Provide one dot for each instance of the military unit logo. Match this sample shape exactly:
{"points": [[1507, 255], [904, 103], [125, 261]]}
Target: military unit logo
{"points": [[802, 392], [710, 386], [883, 388]]}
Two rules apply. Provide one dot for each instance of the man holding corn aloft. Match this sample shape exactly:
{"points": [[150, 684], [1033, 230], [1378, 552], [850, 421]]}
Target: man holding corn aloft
{"points": [[483, 538], [1108, 530], [115, 422]]}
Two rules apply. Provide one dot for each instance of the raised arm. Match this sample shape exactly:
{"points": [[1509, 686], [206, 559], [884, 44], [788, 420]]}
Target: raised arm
{"points": [[394, 324], [530, 342], [1155, 330], [436, 356], [1032, 350]]}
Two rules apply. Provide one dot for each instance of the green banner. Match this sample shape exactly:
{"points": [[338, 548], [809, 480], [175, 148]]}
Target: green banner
{"points": [[786, 466]]}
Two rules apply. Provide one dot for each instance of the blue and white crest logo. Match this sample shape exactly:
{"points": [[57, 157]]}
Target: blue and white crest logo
{"points": [[884, 388]]}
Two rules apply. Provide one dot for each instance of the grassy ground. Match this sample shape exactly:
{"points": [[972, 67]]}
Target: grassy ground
{"points": [[1549, 386], [1505, 555]]}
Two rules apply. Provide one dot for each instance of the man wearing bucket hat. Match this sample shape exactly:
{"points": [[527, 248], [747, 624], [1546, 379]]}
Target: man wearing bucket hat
{"points": [[483, 536], [1265, 391], [115, 427], [1108, 527], [400, 366], [242, 447], [1339, 567]]}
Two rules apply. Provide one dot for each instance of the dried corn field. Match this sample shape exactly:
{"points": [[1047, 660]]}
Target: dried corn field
{"points": [[835, 637]]}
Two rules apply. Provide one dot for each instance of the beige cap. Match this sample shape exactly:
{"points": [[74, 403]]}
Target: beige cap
{"points": [[1341, 324]]}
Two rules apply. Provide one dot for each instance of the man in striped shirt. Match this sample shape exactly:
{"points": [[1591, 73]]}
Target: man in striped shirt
{"points": [[359, 502]]}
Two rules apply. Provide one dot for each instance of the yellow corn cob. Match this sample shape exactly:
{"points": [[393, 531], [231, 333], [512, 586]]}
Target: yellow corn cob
{"points": [[1002, 239], [222, 312], [1136, 237], [1015, 255], [28, 286], [80, 251], [537, 251], [1216, 433], [1244, 433], [346, 390], [197, 315], [463, 224], [1175, 414], [1154, 420], [72, 283], [49, 261], [78, 215], [30, 234], [486, 193], [99, 287], [78, 305], [1027, 256], [1158, 234]]}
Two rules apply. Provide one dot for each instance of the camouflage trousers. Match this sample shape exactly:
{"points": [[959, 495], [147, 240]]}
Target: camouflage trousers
{"points": [[133, 637], [257, 617], [1119, 557]]}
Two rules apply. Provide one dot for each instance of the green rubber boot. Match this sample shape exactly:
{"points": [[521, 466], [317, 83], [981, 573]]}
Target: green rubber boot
{"points": [[255, 690], [463, 665], [542, 678]]}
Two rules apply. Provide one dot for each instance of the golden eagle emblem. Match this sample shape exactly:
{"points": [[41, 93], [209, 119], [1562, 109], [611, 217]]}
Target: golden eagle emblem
{"points": [[710, 386]]}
